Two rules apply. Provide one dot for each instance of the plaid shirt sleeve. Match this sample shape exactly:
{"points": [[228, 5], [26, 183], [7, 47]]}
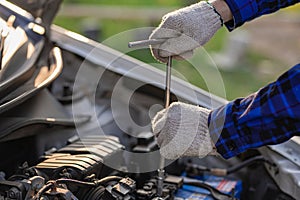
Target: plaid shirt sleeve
{"points": [[269, 116], [246, 10]]}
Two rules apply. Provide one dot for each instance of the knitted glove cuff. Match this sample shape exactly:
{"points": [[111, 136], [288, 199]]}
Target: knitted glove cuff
{"points": [[221, 19]]}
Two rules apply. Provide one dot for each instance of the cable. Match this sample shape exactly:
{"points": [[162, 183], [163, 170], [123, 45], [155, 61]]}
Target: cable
{"points": [[76, 182], [249, 162], [108, 179], [44, 189], [223, 172], [89, 184]]}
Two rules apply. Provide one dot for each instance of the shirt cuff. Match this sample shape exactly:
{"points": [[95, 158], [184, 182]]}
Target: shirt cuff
{"points": [[242, 11], [228, 141]]}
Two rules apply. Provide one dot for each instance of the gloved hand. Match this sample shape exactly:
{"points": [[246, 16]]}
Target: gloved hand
{"points": [[182, 130], [185, 30]]}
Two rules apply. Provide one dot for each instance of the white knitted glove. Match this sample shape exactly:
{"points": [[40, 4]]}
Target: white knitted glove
{"points": [[185, 30], [182, 130]]}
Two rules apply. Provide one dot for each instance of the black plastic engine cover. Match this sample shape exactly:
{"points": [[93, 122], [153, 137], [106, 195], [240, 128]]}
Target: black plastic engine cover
{"points": [[83, 157]]}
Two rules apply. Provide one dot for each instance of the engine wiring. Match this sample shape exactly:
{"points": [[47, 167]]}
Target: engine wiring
{"points": [[54, 183], [195, 169], [199, 169]]}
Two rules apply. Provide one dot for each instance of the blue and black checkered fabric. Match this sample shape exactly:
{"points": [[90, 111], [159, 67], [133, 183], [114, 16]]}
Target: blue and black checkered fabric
{"points": [[246, 10], [269, 116]]}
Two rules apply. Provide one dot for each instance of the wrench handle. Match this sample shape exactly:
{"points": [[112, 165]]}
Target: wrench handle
{"points": [[168, 82], [145, 43]]}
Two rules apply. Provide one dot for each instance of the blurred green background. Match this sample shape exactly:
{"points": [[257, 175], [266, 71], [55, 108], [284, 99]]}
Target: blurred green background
{"points": [[244, 63]]}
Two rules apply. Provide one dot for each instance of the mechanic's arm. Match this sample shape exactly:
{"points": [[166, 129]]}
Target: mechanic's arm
{"points": [[269, 116], [191, 27]]}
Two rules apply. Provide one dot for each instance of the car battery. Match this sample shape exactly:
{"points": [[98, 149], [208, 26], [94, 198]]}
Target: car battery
{"points": [[223, 184]]}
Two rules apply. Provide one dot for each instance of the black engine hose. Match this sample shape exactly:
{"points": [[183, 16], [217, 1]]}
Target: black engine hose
{"points": [[249, 162], [230, 170]]}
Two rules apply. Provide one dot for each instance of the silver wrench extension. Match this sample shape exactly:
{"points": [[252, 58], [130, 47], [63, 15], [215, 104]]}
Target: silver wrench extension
{"points": [[143, 43]]}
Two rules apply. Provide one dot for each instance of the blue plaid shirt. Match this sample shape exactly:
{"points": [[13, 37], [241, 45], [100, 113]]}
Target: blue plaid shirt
{"points": [[246, 10], [269, 116]]}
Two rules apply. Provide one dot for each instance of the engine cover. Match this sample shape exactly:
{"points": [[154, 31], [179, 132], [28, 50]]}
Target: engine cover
{"points": [[83, 157]]}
